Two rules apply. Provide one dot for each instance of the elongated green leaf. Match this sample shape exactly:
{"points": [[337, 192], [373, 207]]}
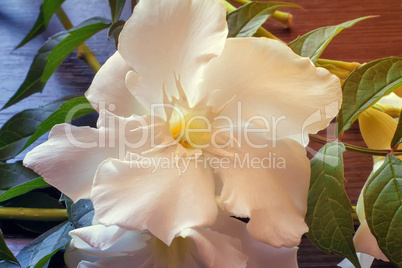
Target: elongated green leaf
{"points": [[246, 20], [5, 252], [70, 110], [38, 253], [33, 82], [47, 10], [398, 133], [52, 54], [13, 175], [114, 31], [17, 130], [24, 188], [116, 7], [75, 37], [365, 86], [383, 207], [329, 210], [312, 44]]}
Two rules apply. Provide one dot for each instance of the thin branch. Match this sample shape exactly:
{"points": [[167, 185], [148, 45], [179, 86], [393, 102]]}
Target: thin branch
{"points": [[83, 52]]}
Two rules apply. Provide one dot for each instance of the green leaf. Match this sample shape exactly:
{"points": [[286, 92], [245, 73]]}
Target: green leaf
{"points": [[38, 253], [329, 211], [47, 10], [17, 130], [383, 207], [246, 20], [75, 37], [5, 252], [33, 200], [313, 43], [398, 133], [13, 175], [80, 213], [52, 54], [116, 7], [365, 86], [115, 29], [33, 82], [24, 188], [70, 110]]}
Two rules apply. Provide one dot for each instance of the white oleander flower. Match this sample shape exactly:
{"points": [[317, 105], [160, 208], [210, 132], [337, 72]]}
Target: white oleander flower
{"points": [[226, 101], [226, 244]]}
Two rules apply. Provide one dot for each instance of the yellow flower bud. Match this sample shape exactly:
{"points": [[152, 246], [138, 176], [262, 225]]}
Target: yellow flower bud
{"points": [[377, 129], [390, 110]]}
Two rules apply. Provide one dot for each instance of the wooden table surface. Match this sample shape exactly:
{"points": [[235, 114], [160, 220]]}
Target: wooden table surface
{"points": [[368, 40]]}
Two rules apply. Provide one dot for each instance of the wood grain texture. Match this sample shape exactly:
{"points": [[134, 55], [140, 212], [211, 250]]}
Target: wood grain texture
{"points": [[366, 41]]}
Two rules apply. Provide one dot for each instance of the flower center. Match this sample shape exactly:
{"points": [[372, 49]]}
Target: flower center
{"points": [[190, 125], [193, 131]]}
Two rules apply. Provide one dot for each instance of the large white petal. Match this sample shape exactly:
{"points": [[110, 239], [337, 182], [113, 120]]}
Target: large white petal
{"points": [[108, 89], [73, 256], [118, 262], [142, 194], [214, 249], [108, 241], [136, 134], [155, 254], [226, 244], [269, 80], [146, 258], [110, 247], [199, 247], [270, 186], [258, 253], [71, 156], [168, 37], [365, 242]]}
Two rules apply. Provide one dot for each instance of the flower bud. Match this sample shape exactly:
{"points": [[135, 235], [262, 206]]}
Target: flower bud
{"points": [[377, 129]]}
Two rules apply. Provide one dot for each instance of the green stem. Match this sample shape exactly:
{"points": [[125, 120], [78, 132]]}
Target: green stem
{"points": [[86, 54], [355, 148], [33, 214], [261, 32], [240, 2], [229, 7], [83, 52], [64, 18], [284, 18]]}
